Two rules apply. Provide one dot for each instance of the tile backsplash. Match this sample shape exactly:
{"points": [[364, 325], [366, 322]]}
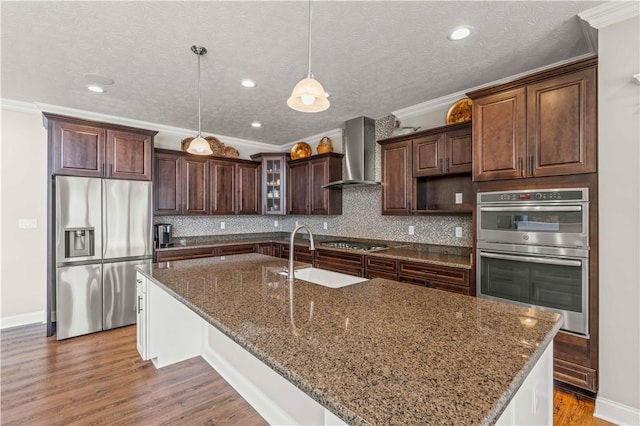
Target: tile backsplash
{"points": [[360, 218]]}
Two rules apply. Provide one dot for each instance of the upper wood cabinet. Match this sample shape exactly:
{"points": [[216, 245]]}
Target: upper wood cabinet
{"points": [[397, 178], [167, 183], [422, 172], [195, 185], [541, 125], [441, 151], [306, 176], [85, 148]]}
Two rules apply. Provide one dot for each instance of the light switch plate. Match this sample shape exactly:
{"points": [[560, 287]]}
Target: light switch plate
{"points": [[27, 223], [222, 225], [412, 230], [275, 223], [458, 231], [458, 197]]}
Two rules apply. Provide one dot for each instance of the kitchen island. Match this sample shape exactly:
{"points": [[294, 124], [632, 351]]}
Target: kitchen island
{"points": [[377, 352]]}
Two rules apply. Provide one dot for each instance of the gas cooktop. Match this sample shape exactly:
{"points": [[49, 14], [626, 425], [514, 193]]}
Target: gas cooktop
{"points": [[351, 245]]}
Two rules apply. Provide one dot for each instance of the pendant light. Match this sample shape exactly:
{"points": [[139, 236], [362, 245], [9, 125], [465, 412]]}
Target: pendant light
{"points": [[308, 95], [199, 145]]}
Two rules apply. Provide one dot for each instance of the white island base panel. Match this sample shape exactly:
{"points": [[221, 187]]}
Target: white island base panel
{"points": [[176, 333]]}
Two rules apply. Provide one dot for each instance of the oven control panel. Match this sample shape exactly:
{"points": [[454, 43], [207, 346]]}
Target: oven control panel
{"points": [[544, 195]]}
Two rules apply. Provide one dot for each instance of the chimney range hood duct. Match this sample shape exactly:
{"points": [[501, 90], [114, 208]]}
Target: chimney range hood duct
{"points": [[359, 154]]}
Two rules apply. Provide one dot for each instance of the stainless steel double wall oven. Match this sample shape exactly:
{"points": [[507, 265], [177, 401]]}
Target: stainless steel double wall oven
{"points": [[533, 250]]}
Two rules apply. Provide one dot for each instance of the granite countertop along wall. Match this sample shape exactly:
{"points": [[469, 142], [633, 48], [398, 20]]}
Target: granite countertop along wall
{"points": [[377, 352], [459, 257]]}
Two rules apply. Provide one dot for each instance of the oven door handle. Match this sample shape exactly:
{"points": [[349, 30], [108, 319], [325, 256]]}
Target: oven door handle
{"points": [[543, 260], [532, 208]]}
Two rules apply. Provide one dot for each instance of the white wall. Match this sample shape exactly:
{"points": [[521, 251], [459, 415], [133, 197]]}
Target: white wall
{"points": [[619, 222], [24, 196]]}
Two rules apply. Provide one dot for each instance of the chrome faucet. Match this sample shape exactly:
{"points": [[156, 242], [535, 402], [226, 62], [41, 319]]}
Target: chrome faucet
{"points": [[293, 235]]}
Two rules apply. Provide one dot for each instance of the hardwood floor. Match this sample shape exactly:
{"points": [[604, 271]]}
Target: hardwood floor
{"points": [[100, 379]]}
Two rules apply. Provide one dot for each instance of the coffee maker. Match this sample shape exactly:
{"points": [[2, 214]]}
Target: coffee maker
{"points": [[162, 235]]}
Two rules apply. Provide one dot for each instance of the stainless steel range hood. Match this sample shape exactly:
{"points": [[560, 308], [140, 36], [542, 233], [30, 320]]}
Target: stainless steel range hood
{"points": [[359, 154]]}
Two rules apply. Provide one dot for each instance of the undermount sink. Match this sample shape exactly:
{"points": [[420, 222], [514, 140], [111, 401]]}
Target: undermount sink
{"points": [[325, 278]]}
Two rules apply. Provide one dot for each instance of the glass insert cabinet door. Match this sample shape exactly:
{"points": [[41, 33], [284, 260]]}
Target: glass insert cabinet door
{"points": [[274, 175]]}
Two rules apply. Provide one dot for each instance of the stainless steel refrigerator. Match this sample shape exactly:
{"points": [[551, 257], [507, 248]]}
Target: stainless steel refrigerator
{"points": [[102, 231]]}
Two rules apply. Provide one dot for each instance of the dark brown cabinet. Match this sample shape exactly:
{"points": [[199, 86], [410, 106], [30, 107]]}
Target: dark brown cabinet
{"points": [[435, 276], [381, 267], [396, 178], [540, 125], [248, 188], [167, 184], [423, 172], [173, 255], [440, 152], [269, 249], [347, 263], [223, 191], [85, 148], [190, 184], [195, 185], [305, 194], [274, 181]]}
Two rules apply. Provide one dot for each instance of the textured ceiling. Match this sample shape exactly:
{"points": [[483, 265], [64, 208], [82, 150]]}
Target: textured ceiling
{"points": [[372, 57]]}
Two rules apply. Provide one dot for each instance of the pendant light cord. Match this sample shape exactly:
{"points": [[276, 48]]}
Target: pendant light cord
{"points": [[199, 133], [309, 74]]}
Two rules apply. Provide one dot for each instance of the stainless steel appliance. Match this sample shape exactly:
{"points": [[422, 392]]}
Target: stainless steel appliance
{"points": [[102, 231], [162, 235], [351, 245], [533, 250]]}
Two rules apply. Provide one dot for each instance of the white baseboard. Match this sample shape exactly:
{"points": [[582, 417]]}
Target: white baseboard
{"points": [[23, 319], [615, 412]]}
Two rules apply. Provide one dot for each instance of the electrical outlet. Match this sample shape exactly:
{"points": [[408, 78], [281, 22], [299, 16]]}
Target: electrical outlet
{"points": [[296, 223], [412, 230], [324, 225], [458, 197], [458, 231], [222, 225], [275, 223]]}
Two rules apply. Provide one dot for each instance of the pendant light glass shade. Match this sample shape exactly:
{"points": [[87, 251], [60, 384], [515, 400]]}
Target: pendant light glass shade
{"points": [[308, 95], [199, 145]]}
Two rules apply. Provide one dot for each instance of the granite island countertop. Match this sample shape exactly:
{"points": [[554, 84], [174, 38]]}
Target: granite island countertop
{"points": [[458, 257], [377, 352]]}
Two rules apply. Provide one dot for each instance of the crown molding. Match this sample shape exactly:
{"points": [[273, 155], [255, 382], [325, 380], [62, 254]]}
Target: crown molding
{"points": [[38, 108], [448, 100], [610, 13]]}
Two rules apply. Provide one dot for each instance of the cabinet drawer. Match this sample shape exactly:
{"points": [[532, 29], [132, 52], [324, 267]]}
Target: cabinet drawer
{"points": [[194, 253], [574, 374], [456, 276], [301, 254], [413, 280], [339, 257], [237, 249], [381, 264]]}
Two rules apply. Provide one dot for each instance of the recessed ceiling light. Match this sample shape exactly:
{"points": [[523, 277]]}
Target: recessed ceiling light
{"points": [[256, 124], [459, 33], [95, 88], [248, 83]]}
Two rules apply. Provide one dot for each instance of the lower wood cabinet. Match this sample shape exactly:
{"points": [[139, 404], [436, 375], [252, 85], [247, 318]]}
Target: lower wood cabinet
{"points": [[381, 267], [269, 249], [300, 254], [200, 252], [435, 276], [337, 261]]}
